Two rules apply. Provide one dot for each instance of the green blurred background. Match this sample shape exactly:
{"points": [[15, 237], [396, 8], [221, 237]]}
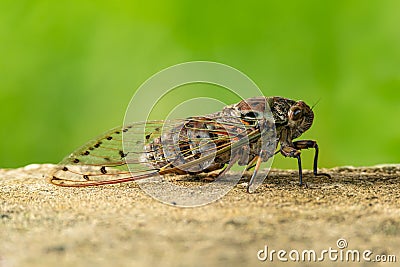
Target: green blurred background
{"points": [[69, 68]]}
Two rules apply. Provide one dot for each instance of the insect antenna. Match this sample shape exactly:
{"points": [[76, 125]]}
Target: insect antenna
{"points": [[316, 103]]}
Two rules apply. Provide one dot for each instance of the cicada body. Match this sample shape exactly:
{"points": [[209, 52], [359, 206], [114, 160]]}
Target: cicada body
{"points": [[246, 133]]}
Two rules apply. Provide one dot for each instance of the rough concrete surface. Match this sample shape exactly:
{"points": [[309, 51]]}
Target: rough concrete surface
{"points": [[119, 225]]}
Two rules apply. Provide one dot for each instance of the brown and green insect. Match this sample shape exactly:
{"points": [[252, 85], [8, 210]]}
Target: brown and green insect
{"points": [[247, 133]]}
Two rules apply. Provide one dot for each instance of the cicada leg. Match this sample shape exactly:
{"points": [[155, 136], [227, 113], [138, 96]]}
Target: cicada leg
{"points": [[251, 164], [228, 167], [306, 144], [253, 176], [294, 152]]}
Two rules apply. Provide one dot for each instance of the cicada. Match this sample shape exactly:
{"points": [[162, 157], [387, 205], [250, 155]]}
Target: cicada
{"points": [[246, 133]]}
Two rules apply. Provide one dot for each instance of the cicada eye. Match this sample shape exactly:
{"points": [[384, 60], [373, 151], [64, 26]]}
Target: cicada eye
{"points": [[296, 114]]}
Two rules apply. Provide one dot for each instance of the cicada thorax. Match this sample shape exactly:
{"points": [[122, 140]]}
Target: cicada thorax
{"points": [[257, 113], [198, 144]]}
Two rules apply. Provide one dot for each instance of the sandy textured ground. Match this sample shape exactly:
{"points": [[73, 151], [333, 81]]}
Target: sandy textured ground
{"points": [[119, 225]]}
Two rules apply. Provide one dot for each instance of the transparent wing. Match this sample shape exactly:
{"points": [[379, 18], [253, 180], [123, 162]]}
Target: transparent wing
{"points": [[99, 161], [127, 153]]}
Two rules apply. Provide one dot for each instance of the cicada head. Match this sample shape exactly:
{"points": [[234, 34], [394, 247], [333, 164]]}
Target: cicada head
{"points": [[300, 118]]}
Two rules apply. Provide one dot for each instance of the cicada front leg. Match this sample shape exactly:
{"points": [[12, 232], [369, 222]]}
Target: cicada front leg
{"points": [[294, 152], [306, 144], [289, 151]]}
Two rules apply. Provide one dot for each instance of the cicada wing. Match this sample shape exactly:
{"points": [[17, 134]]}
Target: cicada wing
{"points": [[123, 154], [104, 161]]}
